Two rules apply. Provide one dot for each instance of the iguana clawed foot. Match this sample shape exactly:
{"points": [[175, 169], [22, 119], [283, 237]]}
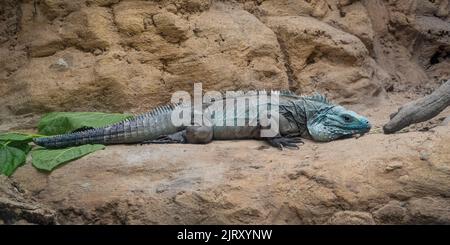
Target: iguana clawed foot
{"points": [[281, 142], [168, 139]]}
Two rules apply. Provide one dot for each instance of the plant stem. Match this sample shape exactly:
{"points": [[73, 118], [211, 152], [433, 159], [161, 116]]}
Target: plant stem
{"points": [[38, 135]]}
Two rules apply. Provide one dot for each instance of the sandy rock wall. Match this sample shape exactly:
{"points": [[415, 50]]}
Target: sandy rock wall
{"points": [[411, 40], [120, 55]]}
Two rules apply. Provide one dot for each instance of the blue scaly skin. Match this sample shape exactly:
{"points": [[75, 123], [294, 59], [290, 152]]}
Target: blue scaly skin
{"points": [[312, 117]]}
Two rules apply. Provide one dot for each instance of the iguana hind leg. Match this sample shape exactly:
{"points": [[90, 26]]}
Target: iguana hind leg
{"points": [[192, 135], [178, 137], [199, 134]]}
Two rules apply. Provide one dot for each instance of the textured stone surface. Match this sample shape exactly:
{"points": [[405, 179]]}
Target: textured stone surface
{"points": [[130, 55], [17, 206], [121, 53], [376, 179], [324, 58]]}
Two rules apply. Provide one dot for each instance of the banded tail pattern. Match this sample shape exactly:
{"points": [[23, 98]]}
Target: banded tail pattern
{"points": [[143, 127]]}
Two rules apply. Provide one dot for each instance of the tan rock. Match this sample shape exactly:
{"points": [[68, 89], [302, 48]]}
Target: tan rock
{"points": [[130, 55], [90, 28], [393, 212], [138, 85], [399, 46], [434, 29], [444, 9], [46, 42], [12, 60], [430, 210], [135, 16], [305, 35], [430, 8], [325, 58], [225, 47], [38, 36], [9, 23], [345, 2], [353, 19], [240, 182], [47, 88], [59, 8], [101, 2], [315, 8], [192, 6], [351, 218], [18, 207], [72, 80], [230, 48], [173, 28]]}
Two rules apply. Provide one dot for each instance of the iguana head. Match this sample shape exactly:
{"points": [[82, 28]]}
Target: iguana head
{"points": [[332, 122]]}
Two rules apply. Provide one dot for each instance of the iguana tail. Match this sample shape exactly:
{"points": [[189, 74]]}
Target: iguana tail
{"points": [[147, 126]]}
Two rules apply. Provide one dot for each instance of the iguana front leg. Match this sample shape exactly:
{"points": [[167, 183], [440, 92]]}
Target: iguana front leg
{"points": [[281, 142]]}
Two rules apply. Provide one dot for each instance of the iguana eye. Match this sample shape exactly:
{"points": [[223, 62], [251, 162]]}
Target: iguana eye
{"points": [[346, 118]]}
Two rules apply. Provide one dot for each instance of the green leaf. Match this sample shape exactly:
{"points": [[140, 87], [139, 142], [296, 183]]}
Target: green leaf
{"points": [[17, 140], [48, 159], [10, 159], [16, 137], [65, 122], [23, 146]]}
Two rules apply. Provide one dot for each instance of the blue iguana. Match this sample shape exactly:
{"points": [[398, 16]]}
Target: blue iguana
{"points": [[312, 117]]}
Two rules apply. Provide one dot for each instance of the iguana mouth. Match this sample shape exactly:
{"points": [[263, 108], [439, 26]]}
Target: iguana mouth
{"points": [[355, 135], [346, 136]]}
